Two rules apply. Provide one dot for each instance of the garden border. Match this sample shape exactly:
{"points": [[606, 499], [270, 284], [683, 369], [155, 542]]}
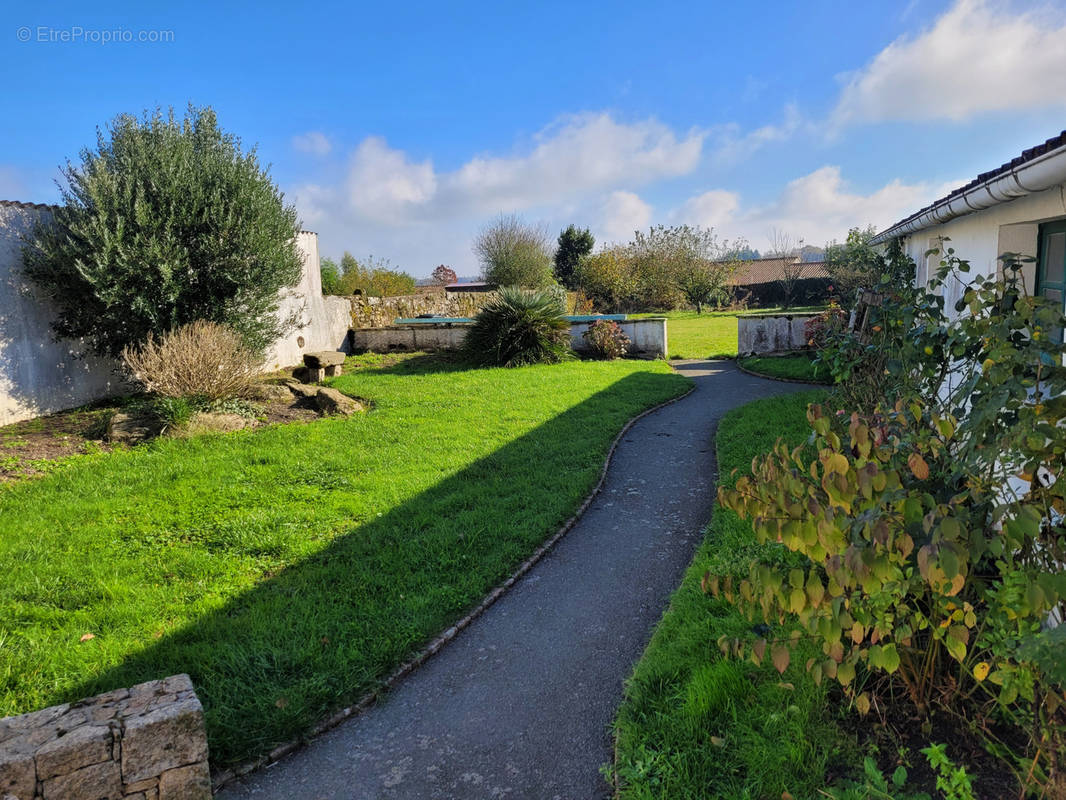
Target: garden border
{"points": [[223, 777]]}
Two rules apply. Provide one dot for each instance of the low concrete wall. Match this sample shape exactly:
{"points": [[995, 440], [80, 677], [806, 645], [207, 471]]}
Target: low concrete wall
{"points": [[143, 743], [771, 333], [648, 337], [409, 338]]}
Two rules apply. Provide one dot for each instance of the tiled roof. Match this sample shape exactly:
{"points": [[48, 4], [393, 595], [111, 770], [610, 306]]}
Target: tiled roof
{"points": [[1054, 143], [768, 270]]}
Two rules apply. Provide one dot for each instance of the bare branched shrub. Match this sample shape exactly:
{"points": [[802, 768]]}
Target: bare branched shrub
{"points": [[202, 359]]}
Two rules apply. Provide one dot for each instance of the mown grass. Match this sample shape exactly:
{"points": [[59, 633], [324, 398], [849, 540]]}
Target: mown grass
{"points": [[288, 570], [799, 367], [697, 725], [712, 334]]}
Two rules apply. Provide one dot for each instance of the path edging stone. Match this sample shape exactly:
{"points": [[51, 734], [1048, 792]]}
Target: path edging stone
{"points": [[765, 377], [222, 777]]}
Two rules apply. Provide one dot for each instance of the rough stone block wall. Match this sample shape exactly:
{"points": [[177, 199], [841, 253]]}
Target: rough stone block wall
{"points": [[143, 743], [379, 312]]}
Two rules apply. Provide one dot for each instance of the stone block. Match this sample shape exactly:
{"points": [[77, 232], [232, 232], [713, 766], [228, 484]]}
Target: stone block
{"points": [[330, 401], [96, 782], [186, 783], [173, 736], [324, 358], [82, 746], [18, 776]]}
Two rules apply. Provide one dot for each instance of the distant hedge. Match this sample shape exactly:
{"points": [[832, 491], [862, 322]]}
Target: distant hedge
{"points": [[805, 292]]}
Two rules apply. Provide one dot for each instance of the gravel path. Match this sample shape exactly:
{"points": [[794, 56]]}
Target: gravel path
{"points": [[519, 704]]}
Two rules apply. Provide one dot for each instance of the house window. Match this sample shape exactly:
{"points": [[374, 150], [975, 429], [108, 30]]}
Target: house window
{"points": [[1051, 275]]}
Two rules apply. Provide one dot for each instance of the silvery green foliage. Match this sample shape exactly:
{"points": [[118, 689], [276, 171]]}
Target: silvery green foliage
{"points": [[165, 222]]}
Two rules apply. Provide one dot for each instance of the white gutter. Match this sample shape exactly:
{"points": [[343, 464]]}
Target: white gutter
{"points": [[1033, 176]]}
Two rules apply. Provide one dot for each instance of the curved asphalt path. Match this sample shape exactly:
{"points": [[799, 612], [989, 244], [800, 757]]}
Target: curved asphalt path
{"points": [[519, 703]]}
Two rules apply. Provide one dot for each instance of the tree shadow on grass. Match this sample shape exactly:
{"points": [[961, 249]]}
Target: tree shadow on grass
{"points": [[321, 633]]}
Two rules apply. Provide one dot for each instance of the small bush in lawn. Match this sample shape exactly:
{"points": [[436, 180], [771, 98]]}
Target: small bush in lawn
{"points": [[519, 327], [606, 339], [200, 360]]}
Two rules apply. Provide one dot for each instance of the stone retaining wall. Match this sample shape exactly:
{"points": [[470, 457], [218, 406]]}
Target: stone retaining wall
{"points": [[143, 743], [379, 312]]}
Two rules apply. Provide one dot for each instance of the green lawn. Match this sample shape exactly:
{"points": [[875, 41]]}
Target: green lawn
{"points": [[696, 725], [712, 334], [289, 569], [795, 367]]}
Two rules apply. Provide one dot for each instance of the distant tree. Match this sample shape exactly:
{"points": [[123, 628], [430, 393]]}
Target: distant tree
{"points": [[513, 253], [854, 264], [331, 276], [683, 259], [443, 275], [166, 222], [705, 283], [574, 244], [783, 246], [373, 278]]}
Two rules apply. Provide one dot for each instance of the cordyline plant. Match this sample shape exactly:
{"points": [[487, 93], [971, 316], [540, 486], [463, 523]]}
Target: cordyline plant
{"points": [[933, 529]]}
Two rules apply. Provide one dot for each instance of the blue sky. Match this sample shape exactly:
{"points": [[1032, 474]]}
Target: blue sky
{"points": [[399, 130]]}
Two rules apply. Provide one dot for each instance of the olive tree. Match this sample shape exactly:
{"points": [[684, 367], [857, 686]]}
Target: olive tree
{"points": [[165, 222]]}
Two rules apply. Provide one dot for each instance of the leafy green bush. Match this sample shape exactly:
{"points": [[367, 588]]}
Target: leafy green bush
{"points": [[166, 222], [932, 530], [370, 277], [606, 339], [519, 327]]}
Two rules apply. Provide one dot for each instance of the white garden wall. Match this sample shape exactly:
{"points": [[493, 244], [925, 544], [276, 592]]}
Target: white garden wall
{"points": [[39, 375]]}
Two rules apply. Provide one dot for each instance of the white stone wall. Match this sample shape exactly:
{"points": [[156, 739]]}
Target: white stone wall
{"points": [[323, 322], [39, 375]]}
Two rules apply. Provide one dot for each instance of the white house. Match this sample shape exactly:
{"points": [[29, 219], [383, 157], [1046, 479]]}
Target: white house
{"points": [[1018, 207]]}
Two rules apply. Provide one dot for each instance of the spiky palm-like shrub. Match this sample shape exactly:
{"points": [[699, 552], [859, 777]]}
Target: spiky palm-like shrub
{"points": [[519, 327]]}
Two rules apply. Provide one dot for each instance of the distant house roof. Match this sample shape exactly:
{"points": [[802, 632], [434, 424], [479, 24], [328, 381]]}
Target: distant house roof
{"points": [[982, 192], [470, 287], [768, 270]]}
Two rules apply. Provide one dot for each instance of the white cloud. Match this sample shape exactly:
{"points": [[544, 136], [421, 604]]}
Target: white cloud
{"points": [[313, 142], [980, 56], [731, 144], [622, 214], [713, 209], [576, 155], [394, 204], [818, 207], [385, 186]]}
